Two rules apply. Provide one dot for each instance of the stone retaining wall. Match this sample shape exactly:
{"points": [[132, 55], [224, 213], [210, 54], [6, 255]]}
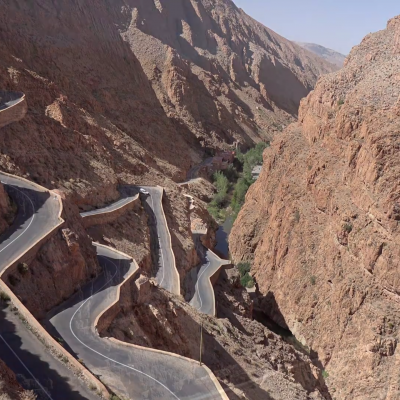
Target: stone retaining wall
{"points": [[109, 216]]}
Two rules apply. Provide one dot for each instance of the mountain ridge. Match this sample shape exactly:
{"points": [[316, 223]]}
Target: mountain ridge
{"points": [[330, 55]]}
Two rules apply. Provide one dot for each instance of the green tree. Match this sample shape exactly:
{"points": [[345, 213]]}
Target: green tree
{"points": [[221, 183]]}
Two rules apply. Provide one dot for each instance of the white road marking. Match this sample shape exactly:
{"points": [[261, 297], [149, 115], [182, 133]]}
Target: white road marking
{"points": [[102, 355], [30, 223], [27, 369]]}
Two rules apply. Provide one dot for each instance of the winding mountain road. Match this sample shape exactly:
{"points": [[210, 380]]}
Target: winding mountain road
{"points": [[204, 297], [167, 276], [38, 214], [36, 369], [126, 199], [132, 371]]}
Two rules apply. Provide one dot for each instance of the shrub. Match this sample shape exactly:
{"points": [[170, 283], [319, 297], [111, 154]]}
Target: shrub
{"points": [[340, 102], [114, 397], [244, 268], [231, 173], [297, 215], [221, 183], [313, 280], [13, 280], [4, 297], [325, 374], [247, 281], [348, 227], [23, 268]]}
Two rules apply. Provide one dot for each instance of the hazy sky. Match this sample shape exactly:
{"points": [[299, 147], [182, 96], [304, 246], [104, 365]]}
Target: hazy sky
{"points": [[337, 24]]}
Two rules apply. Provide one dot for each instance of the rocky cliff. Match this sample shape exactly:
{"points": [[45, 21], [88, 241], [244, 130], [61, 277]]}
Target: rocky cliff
{"points": [[321, 225]]}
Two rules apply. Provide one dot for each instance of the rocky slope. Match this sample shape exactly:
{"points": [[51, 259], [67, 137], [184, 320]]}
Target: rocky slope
{"points": [[332, 56], [217, 71], [321, 225], [250, 361], [102, 112], [95, 121]]}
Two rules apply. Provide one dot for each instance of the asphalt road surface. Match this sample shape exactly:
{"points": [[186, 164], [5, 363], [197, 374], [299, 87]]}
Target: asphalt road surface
{"points": [[136, 373], [193, 172], [204, 297], [34, 367], [8, 99], [167, 275], [37, 216]]}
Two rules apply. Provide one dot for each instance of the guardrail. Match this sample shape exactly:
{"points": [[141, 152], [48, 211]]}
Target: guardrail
{"points": [[98, 217]]}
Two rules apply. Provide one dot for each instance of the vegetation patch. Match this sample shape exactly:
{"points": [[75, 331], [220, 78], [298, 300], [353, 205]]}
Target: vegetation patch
{"points": [[4, 297], [248, 161], [233, 183], [23, 268], [245, 278]]}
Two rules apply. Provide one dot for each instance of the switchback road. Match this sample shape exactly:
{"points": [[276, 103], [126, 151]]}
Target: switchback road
{"points": [[36, 369], [132, 371], [204, 297]]}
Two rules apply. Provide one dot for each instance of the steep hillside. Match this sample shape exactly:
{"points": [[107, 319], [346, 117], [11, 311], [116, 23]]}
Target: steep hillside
{"points": [[222, 74], [329, 55], [321, 225]]}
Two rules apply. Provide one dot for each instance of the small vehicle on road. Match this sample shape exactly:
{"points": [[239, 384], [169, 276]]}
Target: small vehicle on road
{"points": [[144, 191]]}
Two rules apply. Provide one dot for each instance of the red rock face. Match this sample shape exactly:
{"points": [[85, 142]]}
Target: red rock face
{"points": [[321, 224]]}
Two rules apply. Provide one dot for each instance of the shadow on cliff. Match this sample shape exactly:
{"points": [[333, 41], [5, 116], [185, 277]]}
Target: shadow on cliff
{"points": [[187, 332], [266, 311], [15, 335]]}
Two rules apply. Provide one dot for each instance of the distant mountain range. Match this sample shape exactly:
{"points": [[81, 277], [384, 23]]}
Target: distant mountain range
{"points": [[330, 55]]}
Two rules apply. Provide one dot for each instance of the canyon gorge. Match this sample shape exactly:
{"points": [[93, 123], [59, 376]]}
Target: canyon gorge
{"points": [[321, 225], [135, 93]]}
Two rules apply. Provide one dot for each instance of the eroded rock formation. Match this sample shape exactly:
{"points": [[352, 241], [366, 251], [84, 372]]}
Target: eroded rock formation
{"points": [[321, 225], [225, 76]]}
